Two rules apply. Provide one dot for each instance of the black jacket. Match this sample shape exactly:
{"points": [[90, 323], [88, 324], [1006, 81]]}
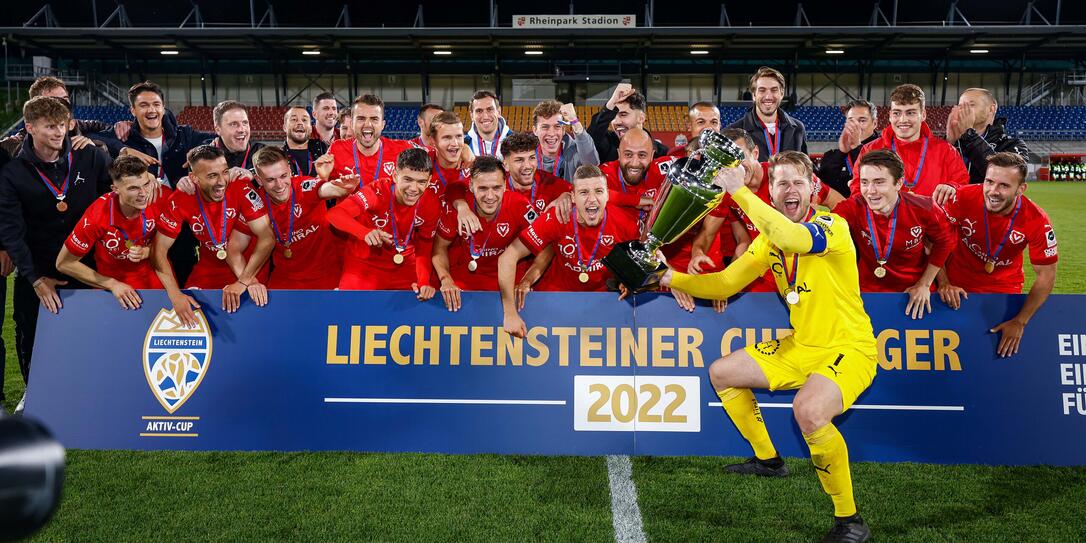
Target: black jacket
{"points": [[793, 133], [607, 141], [975, 149], [177, 140], [32, 230], [238, 159], [834, 170], [298, 160]]}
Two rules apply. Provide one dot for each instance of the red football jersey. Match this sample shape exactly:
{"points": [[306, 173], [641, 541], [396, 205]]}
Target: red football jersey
{"points": [[241, 203], [488, 244], [369, 168], [625, 197], [918, 222], [375, 268], [441, 179], [1027, 224], [105, 229], [546, 189], [941, 161], [316, 258], [562, 275]]}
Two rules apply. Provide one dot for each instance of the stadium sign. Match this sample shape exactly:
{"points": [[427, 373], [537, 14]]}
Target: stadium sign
{"points": [[562, 22], [380, 371]]}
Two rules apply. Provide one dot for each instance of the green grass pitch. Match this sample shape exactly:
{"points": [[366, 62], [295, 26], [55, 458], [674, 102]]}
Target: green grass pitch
{"points": [[127, 496]]}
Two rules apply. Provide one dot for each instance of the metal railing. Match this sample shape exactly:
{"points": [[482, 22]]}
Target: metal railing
{"points": [[28, 72]]}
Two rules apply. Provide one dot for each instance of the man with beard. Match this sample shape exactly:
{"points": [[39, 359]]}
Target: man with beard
{"points": [[702, 116], [635, 177], [45, 189], [119, 227], [488, 128], [559, 153], [426, 114], [470, 262], [543, 189], [391, 225], [773, 130], [232, 127], [902, 239], [932, 167], [831, 356], [624, 110], [995, 223], [214, 212], [975, 131], [837, 165], [301, 150], [325, 113], [368, 154]]}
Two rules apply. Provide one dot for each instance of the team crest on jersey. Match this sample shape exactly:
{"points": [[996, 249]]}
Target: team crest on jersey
{"points": [[916, 231], [607, 240], [298, 210], [231, 212], [1017, 237], [502, 228], [418, 221], [388, 167], [176, 358], [541, 203]]}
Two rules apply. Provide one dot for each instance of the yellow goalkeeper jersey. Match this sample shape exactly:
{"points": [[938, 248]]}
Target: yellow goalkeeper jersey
{"points": [[815, 260]]}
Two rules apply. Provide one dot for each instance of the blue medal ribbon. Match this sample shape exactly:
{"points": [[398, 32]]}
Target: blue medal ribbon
{"points": [[919, 168], [577, 241], [221, 242], [882, 259], [143, 223], [380, 159], [1006, 235], [290, 213]]}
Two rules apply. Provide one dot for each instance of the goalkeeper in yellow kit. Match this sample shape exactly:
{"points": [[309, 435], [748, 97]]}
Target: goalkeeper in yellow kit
{"points": [[830, 357]]}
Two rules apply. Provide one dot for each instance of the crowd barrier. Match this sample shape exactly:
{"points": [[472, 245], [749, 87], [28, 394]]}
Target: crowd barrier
{"points": [[380, 371]]}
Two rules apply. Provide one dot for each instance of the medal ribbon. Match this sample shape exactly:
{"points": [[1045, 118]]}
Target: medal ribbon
{"points": [[535, 184], [58, 193], [298, 167], [557, 161], [290, 213], [395, 229], [380, 159], [493, 144], [791, 277], [848, 163], [143, 223], [471, 238], [577, 241], [774, 146], [919, 168], [1007, 234], [875, 234], [203, 214]]}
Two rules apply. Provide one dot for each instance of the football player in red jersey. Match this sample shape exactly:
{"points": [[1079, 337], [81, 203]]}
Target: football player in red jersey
{"points": [[470, 262], [307, 254], [213, 214], [903, 240], [368, 154], [579, 246], [995, 223], [119, 227], [391, 223], [452, 157], [932, 167], [702, 116], [636, 176]]}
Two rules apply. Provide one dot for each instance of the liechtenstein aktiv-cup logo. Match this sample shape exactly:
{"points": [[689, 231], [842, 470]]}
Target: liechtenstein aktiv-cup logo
{"points": [[176, 357]]}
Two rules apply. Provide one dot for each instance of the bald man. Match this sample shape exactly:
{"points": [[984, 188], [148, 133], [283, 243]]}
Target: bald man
{"points": [[634, 179], [976, 132]]}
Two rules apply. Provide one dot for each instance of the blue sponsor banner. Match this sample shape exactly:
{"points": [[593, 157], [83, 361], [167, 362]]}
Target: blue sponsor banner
{"points": [[380, 371]]}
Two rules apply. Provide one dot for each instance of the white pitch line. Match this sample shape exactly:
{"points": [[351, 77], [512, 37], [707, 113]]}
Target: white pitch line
{"points": [[873, 407], [625, 513], [444, 401]]}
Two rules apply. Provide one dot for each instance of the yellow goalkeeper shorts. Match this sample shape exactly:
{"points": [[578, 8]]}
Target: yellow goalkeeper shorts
{"points": [[788, 365]]}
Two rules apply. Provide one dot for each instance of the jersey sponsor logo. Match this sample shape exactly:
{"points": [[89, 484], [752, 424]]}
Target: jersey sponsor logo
{"points": [[1050, 252], [1050, 236], [1017, 237], [502, 228], [254, 200], [381, 222], [79, 243], [197, 225], [968, 227], [768, 347], [538, 241], [167, 221], [824, 219], [176, 358]]}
